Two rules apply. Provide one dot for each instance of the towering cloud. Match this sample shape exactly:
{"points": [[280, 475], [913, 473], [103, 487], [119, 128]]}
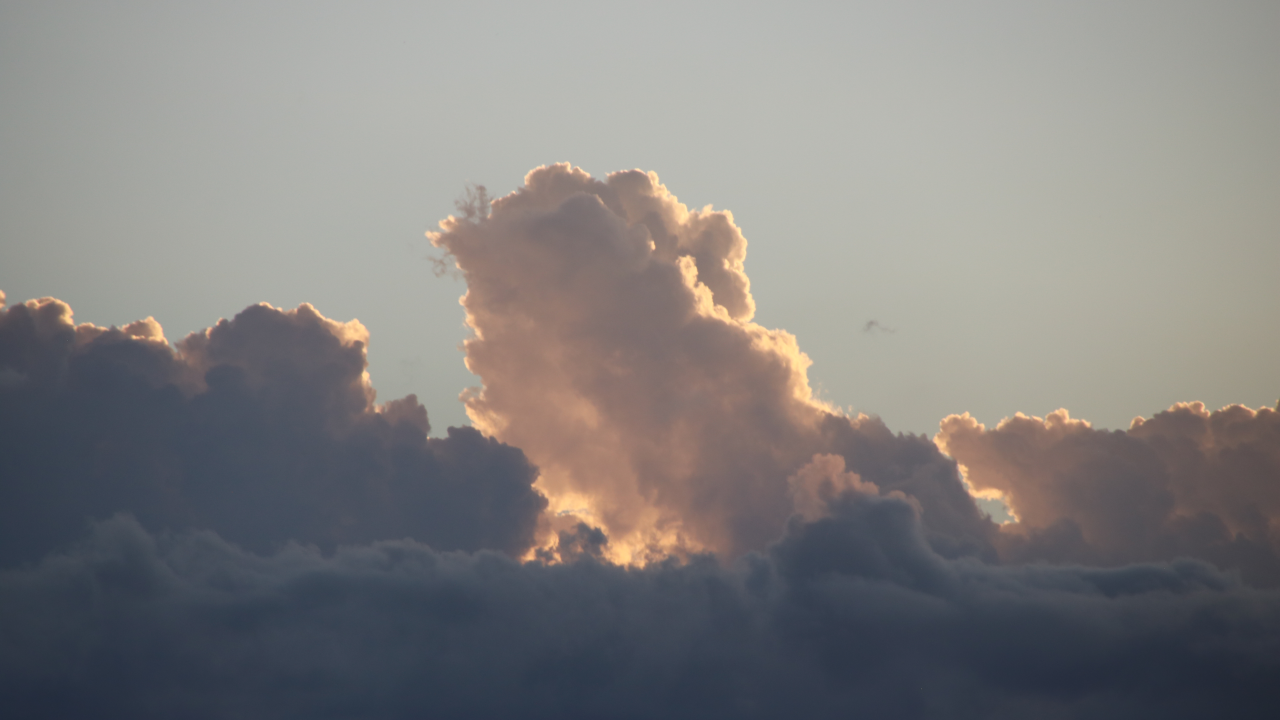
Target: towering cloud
{"points": [[262, 428], [1187, 482], [613, 334]]}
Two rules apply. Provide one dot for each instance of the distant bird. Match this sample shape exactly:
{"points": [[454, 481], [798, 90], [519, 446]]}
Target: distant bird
{"points": [[874, 325]]}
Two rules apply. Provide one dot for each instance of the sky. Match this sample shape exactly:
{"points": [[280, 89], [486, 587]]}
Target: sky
{"points": [[585, 360], [1037, 201]]}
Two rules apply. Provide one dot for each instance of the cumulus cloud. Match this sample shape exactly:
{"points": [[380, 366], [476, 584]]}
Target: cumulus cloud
{"points": [[813, 486], [263, 428], [613, 334], [1186, 482], [851, 615]]}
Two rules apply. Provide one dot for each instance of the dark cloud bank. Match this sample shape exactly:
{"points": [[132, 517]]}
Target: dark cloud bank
{"points": [[231, 526], [262, 428]]}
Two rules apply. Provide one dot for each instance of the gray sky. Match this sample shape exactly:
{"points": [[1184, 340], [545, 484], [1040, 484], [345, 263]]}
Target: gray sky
{"points": [[1067, 205]]}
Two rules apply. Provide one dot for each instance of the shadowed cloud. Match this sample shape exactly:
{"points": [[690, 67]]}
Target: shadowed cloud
{"points": [[850, 615], [262, 428]]}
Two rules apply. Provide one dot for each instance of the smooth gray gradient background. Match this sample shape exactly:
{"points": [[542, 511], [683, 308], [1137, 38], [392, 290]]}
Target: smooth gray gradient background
{"points": [[1071, 204]]}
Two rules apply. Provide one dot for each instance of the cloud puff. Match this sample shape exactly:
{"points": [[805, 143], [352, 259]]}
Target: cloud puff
{"points": [[813, 486], [262, 428], [613, 334], [851, 615], [1187, 482]]}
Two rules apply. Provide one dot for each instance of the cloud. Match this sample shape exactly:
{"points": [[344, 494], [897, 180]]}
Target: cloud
{"points": [[853, 614], [263, 428], [813, 486], [613, 335], [1187, 482]]}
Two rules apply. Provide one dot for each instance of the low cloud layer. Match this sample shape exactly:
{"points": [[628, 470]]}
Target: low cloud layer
{"points": [[653, 517], [852, 615], [262, 428], [1185, 483]]}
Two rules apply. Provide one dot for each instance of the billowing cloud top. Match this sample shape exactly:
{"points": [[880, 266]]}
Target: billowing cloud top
{"points": [[262, 428], [1187, 482], [233, 527], [613, 335]]}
